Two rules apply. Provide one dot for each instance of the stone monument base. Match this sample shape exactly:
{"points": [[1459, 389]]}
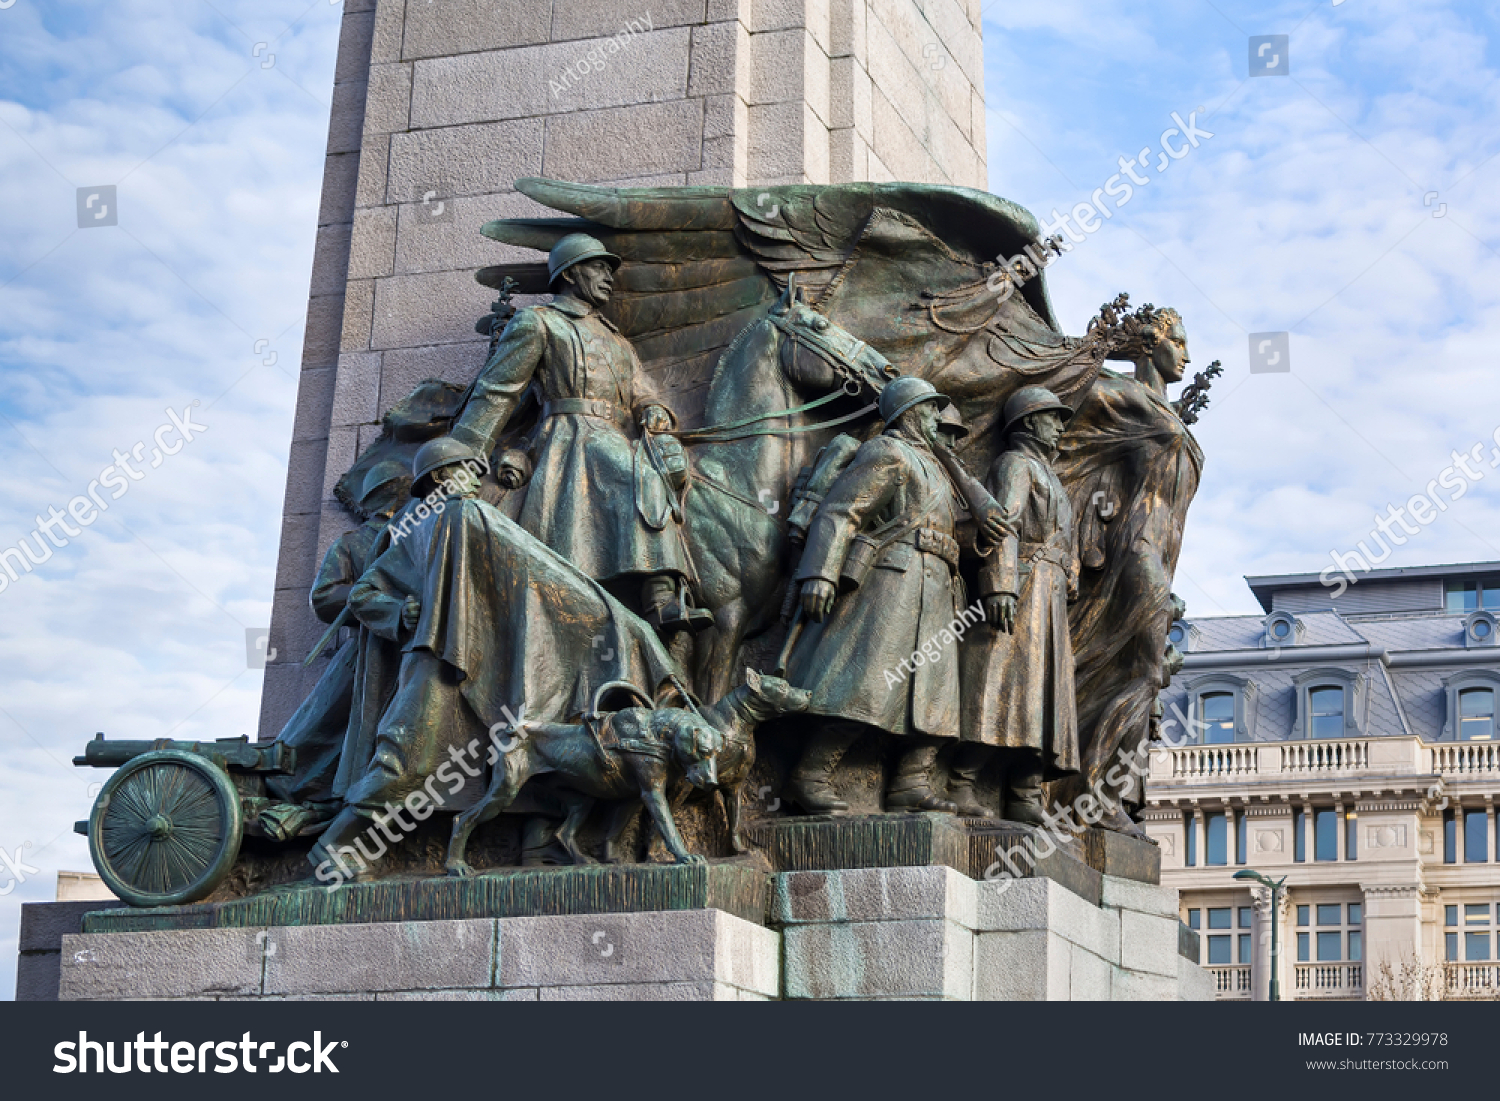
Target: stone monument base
{"points": [[923, 933]]}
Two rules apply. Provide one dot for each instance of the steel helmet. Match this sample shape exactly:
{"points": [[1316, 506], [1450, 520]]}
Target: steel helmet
{"points": [[902, 393], [443, 451], [950, 422], [383, 474], [575, 248], [1032, 399]]}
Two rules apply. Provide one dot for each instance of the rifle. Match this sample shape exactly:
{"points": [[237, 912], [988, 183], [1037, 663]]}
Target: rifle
{"points": [[328, 636], [976, 497]]}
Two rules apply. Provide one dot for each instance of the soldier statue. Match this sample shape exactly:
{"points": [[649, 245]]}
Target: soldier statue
{"points": [[317, 729], [1018, 675], [879, 583], [593, 497], [427, 716]]}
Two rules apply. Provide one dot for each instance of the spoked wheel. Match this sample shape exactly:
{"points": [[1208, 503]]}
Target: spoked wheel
{"points": [[165, 829]]}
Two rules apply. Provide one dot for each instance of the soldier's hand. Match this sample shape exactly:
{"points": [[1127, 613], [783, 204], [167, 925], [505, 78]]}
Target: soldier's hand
{"points": [[411, 611], [992, 527], [817, 598], [510, 478], [656, 419], [1000, 611]]}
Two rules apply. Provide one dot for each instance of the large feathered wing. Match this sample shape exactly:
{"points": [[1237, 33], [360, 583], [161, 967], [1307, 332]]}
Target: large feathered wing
{"points": [[699, 264]]}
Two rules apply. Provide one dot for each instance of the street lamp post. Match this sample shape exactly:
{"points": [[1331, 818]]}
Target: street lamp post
{"points": [[1275, 886]]}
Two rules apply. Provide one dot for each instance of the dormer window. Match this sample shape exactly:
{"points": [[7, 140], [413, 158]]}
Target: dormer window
{"points": [[1217, 710], [1282, 629], [1330, 704], [1223, 707], [1183, 635], [1471, 705], [1476, 715], [1326, 711], [1468, 594]]}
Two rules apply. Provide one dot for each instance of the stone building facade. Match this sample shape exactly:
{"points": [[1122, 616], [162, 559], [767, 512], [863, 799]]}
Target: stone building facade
{"points": [[1345, 740], [440, 105]]}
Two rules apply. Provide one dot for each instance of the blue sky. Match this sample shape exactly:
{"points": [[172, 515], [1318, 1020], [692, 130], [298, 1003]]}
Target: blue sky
{"points": [[1310, 210]]}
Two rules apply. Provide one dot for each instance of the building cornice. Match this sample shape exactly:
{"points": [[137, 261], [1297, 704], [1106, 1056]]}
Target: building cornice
{"points": [[1393, 890], [1283, 656]]}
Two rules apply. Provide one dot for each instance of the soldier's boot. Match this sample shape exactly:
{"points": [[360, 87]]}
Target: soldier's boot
{"points": [[1023, 793], [667, 605], [967, 763], [811, 782], [336, 852], [911, 787]]}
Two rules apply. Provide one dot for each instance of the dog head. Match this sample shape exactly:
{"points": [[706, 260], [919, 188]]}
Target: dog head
{"points": [[695, 744], [773, 696]]}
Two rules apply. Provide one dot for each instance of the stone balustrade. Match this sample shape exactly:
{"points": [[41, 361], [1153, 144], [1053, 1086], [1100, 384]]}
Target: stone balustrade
{"points": [[1329, 980], [1194, 764]]}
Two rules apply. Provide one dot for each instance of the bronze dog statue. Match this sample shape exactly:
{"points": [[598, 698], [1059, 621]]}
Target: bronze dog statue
{"points": [[761, 698], [630, 754]]}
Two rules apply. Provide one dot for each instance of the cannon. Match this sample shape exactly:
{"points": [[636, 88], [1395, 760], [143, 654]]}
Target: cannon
{"points": [[166, 827]]}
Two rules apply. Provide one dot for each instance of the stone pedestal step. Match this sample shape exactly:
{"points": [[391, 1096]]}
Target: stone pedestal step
{"points": [[741, 888]]}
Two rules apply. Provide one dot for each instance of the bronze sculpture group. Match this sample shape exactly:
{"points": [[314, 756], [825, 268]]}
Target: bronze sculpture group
{"points": [[706, 520]]}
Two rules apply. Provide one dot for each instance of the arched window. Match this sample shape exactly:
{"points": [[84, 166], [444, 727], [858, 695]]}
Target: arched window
{"points": [[1217, 715], [1476, 715], [1326, 708]]}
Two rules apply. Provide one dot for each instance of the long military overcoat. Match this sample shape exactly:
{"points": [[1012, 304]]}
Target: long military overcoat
{"points": [[317, 728], [508, 630], [582, 498], [886, 655], [1018, 686]]}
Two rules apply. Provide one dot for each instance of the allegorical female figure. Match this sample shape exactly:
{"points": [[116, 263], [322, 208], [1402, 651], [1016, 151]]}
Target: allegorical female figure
{"points": [[1132, 468]]}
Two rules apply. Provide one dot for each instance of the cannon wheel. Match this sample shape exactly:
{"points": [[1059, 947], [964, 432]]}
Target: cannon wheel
{"points": [[165, 829]]}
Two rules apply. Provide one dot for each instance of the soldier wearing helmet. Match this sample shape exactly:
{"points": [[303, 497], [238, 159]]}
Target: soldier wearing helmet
{"points": [[385, 745], [879, 583], [317, 728], [381, 494], [1018, 692], [583, 500]]}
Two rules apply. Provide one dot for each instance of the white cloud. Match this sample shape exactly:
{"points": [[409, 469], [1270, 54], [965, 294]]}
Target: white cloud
{"points": [[1284, 215], [137, 627], [1294, 217]]}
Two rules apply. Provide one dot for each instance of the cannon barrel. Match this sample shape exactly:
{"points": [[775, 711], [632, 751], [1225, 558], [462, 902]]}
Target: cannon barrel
{"points": [[230, 753]]}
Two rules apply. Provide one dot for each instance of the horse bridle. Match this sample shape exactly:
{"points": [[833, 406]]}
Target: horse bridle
{"points": [[845, 358]]}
